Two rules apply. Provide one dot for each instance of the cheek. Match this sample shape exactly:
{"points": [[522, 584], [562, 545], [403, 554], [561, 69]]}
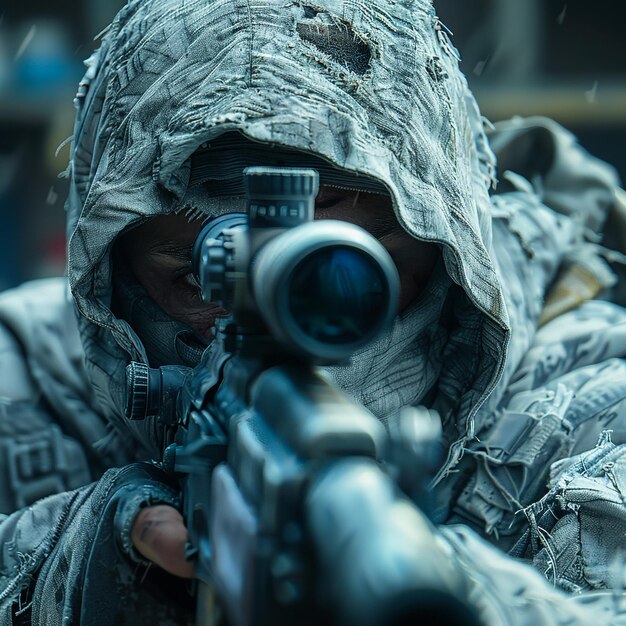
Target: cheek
{"points": [[409, 254], [160, 287], [184, 304], [164, 288], [202, 321], [414, 260]]}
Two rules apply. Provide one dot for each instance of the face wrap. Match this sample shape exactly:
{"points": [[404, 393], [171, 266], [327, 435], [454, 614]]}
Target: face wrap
{"points": [[401, 366], [166, 340]]}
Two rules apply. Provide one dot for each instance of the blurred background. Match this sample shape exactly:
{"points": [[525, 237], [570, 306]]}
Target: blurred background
{"points": [[562, 59]]}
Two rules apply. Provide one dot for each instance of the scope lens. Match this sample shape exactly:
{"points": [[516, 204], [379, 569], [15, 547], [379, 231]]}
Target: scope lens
{"points": [[337, 296]]}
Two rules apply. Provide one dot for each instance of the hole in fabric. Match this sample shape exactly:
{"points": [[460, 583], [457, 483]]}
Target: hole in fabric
{"points": [[336, 39], [435, 69]]}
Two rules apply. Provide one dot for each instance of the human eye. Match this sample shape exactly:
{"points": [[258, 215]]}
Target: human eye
{"points": [[187, 283], [190, 280]]}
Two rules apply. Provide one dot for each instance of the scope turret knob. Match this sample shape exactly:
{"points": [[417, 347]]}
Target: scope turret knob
{"points": [[281, 181], [214, 271], [212, 256], [218, 261], [152, 392], [137, 387]]}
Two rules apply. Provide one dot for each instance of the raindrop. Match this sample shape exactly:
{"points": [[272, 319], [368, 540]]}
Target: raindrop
{"points": [[592, 94], [561, 18], [52, 198], [26, 42], [480, 67]]}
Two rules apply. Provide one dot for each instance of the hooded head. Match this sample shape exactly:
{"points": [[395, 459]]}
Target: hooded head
{"points": [[369, 91]]}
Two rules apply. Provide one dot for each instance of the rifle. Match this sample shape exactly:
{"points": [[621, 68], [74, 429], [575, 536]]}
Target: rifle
{"points": [[292, 491]]}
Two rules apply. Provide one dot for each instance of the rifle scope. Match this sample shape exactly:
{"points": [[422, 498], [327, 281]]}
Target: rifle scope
{"points": [[323, 288]]}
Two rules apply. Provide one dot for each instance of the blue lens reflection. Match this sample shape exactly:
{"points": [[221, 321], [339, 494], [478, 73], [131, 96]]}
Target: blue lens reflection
{"points": [[338, 296]]}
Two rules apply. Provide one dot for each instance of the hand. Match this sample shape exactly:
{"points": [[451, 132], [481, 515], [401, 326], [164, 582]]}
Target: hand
{"points": [[160, 535]]}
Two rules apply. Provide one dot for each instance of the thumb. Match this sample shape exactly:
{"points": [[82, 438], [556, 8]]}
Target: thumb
{"points": [[160, 535]]}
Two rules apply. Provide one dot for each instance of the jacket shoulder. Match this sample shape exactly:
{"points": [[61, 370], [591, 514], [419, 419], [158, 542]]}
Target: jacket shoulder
{"points": [[48, 424], [39, 341]]}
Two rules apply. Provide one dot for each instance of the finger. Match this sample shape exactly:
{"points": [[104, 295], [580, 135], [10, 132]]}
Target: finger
{"points": [[160, 535]]}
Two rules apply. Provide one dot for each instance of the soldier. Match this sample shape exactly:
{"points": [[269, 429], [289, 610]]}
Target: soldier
{"points": [[497, 331]]}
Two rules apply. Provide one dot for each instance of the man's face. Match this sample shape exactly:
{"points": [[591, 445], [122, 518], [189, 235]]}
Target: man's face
{"points": [[159, 254]]}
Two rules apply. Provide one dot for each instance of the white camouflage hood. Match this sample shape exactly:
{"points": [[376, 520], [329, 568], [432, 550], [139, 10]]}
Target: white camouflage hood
{"points": [[372, 87]]}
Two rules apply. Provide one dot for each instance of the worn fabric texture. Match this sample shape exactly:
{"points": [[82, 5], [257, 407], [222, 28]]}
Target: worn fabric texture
{"points": [[161, 88], [373, 89]]}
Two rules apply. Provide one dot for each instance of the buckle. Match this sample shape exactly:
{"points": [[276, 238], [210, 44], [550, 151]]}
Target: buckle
{"points": [[36, 465]]}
